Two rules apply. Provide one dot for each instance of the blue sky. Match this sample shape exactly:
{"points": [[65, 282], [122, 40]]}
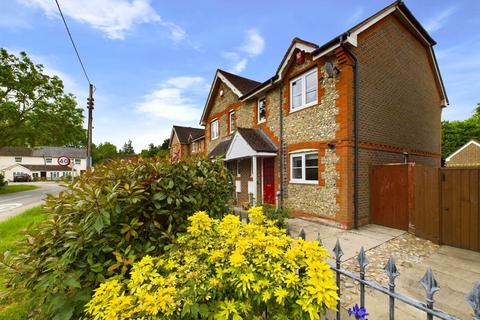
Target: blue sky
{"points": [[152, 62]]}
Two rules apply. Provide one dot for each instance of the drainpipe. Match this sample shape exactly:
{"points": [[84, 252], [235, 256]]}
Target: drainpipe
{"points": [[280, 166], [355, 131]]}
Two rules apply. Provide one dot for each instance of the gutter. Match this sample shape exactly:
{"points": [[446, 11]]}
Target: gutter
{"points": [[355, 132]]}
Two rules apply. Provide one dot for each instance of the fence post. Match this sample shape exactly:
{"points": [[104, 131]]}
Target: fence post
{"points": [[473, 298], [362, 262], [289, 233], [319, 239], [431, 286], [302, 234], [338, 254], [392, 273]]}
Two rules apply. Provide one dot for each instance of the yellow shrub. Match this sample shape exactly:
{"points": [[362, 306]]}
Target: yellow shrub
{"points": [[224, 270]]}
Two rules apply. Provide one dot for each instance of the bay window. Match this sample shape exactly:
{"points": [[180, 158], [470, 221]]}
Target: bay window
{"points": [[304, 167], [303, 90]]}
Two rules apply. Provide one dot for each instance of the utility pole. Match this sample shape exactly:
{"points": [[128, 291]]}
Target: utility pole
{"points": [[89, 130]]}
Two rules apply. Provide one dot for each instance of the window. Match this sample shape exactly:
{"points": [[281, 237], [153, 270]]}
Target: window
{"points": [[303, 91], [304, 167], [231, 118], [48, 160], [261, 111], [214, 129], [78, 161], [238, 168], [18, 159]]}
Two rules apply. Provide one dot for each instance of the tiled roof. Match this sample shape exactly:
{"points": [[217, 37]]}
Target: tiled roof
{"points": [[257, 139], [220, 149], [184, 133], [43, 152], [242, 84], [35, 167]]}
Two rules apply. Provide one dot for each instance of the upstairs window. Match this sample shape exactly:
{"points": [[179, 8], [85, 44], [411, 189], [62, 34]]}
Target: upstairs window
{"points": [[78, 161], [303, 90], [231, 118], [261, 111], [304, 167], [18, 159], [214, 129], [48, 160]]}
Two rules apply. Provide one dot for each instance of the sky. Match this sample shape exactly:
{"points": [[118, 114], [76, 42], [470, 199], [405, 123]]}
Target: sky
{"points": [[152, 62]]}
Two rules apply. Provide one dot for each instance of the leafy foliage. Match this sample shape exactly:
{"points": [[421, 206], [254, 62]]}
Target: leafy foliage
{"points": [[109, 219], [156, 151], [103, 151], [224, 270], [34, 110], [2, 181], [277, 215], [127, 149], [456, 133]]}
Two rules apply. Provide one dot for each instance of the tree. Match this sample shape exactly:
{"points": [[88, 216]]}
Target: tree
{"points": [[156, 151], [34, 109], [103, 151], [127, 149], [165, 144], [458, 132]]}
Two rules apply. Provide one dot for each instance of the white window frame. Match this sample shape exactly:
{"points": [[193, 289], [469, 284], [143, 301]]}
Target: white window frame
{"points": [[78, 161], [231, 123], [48, 160], [18, 159], [212, 135], [304, 105], [302, 155], [258, 110]]}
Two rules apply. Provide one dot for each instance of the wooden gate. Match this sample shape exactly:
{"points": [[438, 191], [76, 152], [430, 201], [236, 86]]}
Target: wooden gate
{"points": [[460, 215], [389, 195]]}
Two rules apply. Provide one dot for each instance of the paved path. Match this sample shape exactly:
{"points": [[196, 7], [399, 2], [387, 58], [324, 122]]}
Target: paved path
{"points": [[12, 204]]}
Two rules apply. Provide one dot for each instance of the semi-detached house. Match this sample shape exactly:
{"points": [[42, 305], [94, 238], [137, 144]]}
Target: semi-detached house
{"points": [[308, 136]]}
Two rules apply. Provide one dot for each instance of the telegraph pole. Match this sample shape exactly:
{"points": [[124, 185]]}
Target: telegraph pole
{"points": [[89, 130]]}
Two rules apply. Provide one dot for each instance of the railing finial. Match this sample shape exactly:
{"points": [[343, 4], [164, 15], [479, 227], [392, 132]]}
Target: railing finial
{"points": [[289, 233], [391, 270], [302, 234], [429, 283], [338, 250], [473, 298], [362, 259]]}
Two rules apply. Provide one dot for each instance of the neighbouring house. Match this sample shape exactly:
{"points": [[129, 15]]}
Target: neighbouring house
{"points": [[41, 163], [307, 137], [466, 156], [186, 141]]}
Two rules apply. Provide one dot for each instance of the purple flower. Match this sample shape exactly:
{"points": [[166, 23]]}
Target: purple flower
{"points": [[359, 313]]}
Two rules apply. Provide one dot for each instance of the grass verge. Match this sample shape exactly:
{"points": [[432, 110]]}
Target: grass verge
{"points": [[15, 307], [11, 188]]}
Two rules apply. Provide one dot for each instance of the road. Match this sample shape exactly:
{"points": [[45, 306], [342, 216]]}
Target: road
{"points": [[12, 204]]}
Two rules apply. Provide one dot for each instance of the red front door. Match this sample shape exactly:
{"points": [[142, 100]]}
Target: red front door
{"points": [[268, 181]]}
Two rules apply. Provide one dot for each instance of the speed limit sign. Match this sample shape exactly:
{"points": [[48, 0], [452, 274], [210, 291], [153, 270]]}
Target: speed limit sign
{"points": [[63, 161]]}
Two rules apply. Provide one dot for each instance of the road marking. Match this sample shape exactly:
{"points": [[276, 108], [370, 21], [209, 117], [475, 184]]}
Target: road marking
{"points": [[9, 206], [16, 198]]}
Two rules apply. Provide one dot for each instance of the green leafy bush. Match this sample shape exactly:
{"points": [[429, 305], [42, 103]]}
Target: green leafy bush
{"points": [[278, 215], [2, 181], [107, 220]]}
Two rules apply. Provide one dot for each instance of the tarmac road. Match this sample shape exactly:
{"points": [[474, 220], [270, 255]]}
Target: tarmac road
{"points": [[12, 204]]}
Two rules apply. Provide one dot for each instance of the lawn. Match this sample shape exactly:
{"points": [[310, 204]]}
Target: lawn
{"points": [[15, 307], [17, 188]]}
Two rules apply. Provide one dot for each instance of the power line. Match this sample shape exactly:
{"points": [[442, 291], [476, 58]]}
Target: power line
{"points": [[73, 42]]}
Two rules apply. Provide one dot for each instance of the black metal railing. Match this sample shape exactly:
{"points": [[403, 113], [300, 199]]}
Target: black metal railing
{"points": [[428, 282]]}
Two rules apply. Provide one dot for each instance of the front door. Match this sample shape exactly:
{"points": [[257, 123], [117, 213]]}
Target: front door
{"points": [[268, 181]]}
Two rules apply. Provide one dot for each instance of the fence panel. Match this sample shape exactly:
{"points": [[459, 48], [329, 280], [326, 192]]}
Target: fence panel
{"points": [[426, 217]]}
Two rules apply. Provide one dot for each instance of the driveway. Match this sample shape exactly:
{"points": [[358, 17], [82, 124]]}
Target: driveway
{"points": [[456, 270], [12, 204]]}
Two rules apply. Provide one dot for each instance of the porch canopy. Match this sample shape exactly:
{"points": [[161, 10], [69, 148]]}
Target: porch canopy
{"points": [[249, 143]]}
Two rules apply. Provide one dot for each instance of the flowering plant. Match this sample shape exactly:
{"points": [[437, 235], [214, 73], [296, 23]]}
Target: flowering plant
{"points": [[359, 313], [224, 269]]}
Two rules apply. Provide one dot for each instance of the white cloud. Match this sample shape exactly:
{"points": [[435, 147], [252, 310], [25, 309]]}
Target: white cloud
{"points": [[253, 45], [439, 20], [113, 17], [172, 99]]}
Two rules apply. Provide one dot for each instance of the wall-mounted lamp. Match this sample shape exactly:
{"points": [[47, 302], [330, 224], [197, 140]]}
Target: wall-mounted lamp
{"points": [[331, 146]]}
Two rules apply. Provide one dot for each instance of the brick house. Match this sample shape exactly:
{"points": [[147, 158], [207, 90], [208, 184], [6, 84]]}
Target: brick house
{"points": [[308, 136], [186, 141], [466, 156]]}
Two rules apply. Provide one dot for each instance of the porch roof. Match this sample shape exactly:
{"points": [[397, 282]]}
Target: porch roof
{"points": [[249, 142]]}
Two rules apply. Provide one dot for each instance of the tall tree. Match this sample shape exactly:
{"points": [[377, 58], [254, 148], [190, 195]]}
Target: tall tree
{"points": [[103, 151], [34, 109], [127, 149], [458, 132], [156, 151]]}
